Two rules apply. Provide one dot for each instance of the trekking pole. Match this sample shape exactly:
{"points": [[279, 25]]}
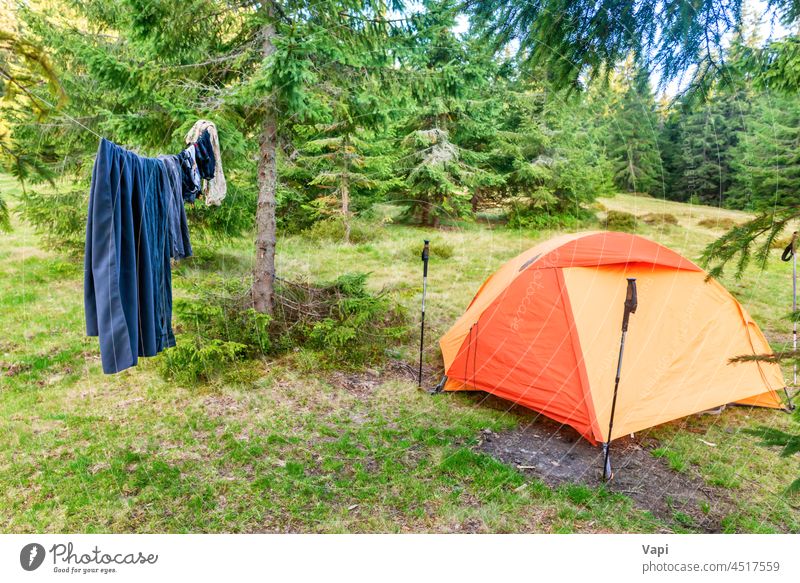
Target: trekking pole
{"points": [[425, 255], [631, 302], [791, 253]]}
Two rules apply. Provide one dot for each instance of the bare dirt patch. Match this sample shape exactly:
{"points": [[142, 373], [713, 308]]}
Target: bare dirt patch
{"points": [[557, 455], [360, 384], [14, 368], [218, 406], [364, 383]]}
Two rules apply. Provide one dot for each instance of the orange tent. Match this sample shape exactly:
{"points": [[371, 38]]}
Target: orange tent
{"points": [[544, 330]]}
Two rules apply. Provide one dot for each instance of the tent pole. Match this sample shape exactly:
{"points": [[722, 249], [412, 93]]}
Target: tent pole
{"points": [[631, 302], [425, 255]]}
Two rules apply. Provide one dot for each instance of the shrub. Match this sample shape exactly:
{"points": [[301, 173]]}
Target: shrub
{"points": [[342, 320], [216, 330], [438, 248], [223, 318], [659, 219], [525, 216], [620, 221], [333, 230], [724, 223], [199, 359]]}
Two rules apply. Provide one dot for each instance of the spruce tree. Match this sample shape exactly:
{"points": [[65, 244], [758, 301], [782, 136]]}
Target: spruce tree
{"points": [[547, 153], [343, 162], [24, 69], [670, 139], [633, 143], [438, 172], [141, 73], [767, 156], [708, 134]]}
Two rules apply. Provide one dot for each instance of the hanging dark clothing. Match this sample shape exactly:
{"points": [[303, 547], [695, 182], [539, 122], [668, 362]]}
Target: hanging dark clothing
{"points": [[204, 154], [157, 221], [127, 277], [190, 174], [179, 229]]}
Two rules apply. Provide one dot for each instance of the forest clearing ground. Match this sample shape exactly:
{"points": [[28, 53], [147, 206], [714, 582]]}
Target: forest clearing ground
{"points": [[559, 456], [290, 445]]}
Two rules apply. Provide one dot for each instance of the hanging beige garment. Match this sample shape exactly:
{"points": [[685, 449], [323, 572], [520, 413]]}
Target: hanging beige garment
{"points": [[214, 189]]}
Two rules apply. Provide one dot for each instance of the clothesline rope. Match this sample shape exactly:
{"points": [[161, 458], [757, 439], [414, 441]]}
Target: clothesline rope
{"points": [[65, 114]]}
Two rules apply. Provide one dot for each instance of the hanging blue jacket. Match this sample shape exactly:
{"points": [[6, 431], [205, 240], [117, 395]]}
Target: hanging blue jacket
{"points": [[127, 277]]}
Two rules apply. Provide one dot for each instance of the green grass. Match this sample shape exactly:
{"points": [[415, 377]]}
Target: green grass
{"points": [[275, 446]]}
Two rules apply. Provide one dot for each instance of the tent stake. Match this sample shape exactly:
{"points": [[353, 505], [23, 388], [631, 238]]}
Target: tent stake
{"points": [[425, 255], [631, 302]]}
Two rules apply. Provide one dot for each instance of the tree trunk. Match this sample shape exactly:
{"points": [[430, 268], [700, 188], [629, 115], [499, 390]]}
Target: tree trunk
{"points": [[475, 200], [346, 194], [346, 208], [264, 270]]}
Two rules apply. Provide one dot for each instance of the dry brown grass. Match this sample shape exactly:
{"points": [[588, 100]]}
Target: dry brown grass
{"points": [[659, 219], [721, 223]]}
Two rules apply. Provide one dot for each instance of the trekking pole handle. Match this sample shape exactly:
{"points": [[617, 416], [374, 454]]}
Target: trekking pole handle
{"points": [[425, 256], [791, 248], [631, 302]]}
